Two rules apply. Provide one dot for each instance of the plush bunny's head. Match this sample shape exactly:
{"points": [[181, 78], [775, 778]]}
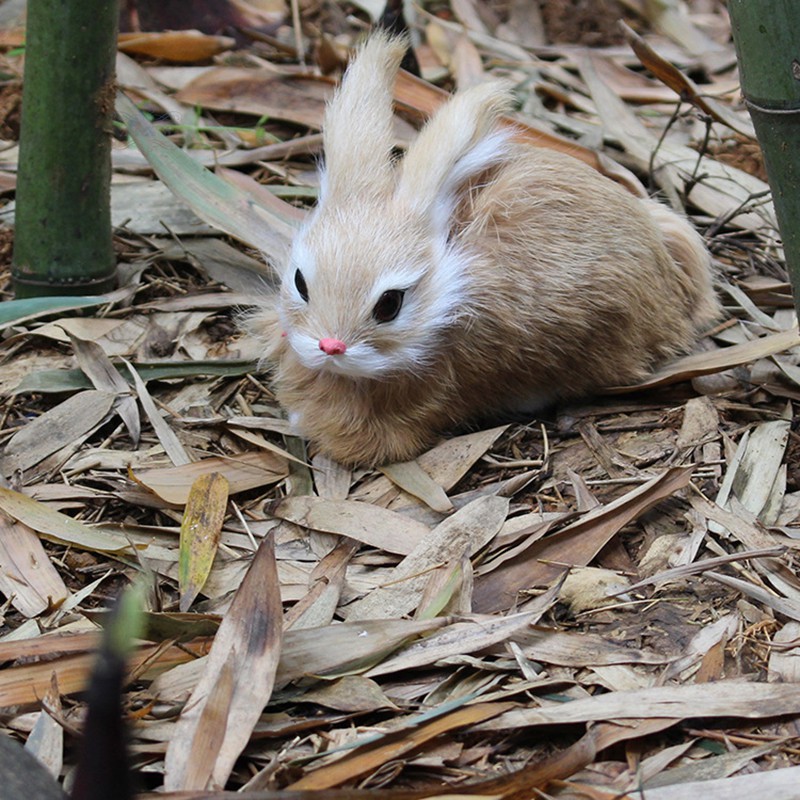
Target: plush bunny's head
{"points": [[377, 274]]}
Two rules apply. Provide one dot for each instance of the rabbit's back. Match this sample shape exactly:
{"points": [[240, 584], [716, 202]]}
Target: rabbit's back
{"points": [[571, 285]]}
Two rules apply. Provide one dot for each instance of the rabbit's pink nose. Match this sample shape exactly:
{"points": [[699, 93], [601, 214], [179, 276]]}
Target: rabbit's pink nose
{"points": [[333, 347]]}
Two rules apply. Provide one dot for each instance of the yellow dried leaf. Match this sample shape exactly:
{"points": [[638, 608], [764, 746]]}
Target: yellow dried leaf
{"points": [[201, 527]]}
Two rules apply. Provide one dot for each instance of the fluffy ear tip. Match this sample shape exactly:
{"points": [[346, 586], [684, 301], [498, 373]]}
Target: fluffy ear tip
{"points": [[494, 96], [381, 44]]}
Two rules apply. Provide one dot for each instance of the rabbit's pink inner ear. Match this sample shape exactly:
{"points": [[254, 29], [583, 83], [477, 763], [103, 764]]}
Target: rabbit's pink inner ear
{"points": [[459, 142], [443, 199]]}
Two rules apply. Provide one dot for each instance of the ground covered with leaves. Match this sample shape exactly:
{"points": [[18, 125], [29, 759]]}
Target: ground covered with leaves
{"points": [[599, 602]]}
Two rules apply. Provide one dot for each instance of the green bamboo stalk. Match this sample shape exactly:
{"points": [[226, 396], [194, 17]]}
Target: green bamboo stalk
{"points": [[63, 219], [767, 38]]}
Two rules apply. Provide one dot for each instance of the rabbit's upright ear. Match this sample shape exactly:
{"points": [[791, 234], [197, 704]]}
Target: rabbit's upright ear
{"points": [[357, 127], [460, 141]]}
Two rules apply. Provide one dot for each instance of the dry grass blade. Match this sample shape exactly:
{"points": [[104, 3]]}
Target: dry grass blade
{"points": [[248, 644], [201, 528]]}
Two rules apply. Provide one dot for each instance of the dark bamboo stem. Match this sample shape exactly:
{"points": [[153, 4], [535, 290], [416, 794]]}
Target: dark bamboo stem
{"points": [[63, 220], [767, 38]]}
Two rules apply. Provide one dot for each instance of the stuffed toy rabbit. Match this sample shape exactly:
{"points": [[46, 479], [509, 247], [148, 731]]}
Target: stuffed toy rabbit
{"points": [[477, 276]]}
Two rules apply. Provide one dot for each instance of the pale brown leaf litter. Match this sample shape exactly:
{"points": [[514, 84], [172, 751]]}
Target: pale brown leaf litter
{"points": [[432, 628]]}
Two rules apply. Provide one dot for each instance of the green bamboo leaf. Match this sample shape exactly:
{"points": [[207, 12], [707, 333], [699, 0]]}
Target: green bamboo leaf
{"points": [[49, 381], [214, 200], [30, 307]]}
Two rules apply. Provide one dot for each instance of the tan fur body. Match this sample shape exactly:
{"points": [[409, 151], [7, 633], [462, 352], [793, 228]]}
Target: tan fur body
{"points": [[562, 283]]}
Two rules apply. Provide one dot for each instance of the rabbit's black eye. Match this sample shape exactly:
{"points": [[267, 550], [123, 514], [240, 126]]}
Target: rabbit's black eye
{"points": [[300, 284], [389, 305]]}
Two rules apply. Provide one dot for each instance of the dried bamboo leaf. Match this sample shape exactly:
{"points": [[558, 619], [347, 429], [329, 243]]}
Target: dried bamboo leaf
{"points": [[415, 94], [577, 544], [186, 45], [27, 576], [330, 651], [446, 463], [372, 525], [244, 471], [94, 362], [201, 528], [757, 467], [684, 86], [460, 535], [54, 429], [169, 441], [717, 360], [411, 478], [776, 784], [248, 643], [210, 197], [787, 607], [448, 590], [317, 608], [670, 17], [46, 740], [331, 479], [580, 649], [721, 699], [27, 683], [373, 755], [464, 637], [784, 655], [209, 735], [50, 644], [708, 637], [707, 769], [352, 693], [347, 648], [59, 527], [723, 188]]}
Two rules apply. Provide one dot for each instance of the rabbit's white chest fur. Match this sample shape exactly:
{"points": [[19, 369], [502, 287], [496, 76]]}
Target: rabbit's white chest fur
{"points": [[476, 277]]}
